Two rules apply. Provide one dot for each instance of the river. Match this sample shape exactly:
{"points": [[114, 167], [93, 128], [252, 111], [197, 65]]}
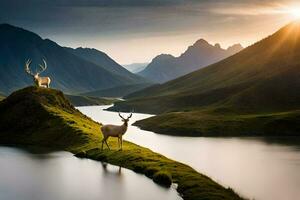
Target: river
{"points": [[61, 176], [256, 168]]}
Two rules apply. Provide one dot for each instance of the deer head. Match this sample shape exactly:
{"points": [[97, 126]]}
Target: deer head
{"points": [[125, 120]]}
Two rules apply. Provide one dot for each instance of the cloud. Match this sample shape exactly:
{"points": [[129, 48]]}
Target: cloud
{"points": [[254, 9], [120, 21], [95, 3]]}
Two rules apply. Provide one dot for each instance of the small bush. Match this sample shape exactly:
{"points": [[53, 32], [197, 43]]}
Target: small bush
{"points": [[139, 168], [81, 154], [163, 178], [151, 171]]}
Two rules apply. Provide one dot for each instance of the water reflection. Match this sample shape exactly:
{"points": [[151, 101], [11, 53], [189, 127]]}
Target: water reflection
{"points": [[260, 168], [61, 176], [110, 172]]}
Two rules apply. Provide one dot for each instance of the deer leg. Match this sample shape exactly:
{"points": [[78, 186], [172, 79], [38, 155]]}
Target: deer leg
{"points": [[106, 143], [102, 144], [103, 140], [118, 142], [121, 142]]}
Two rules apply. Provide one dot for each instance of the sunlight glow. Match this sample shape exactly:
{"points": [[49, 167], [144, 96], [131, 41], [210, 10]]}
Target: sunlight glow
{"points": [[295, 12]]}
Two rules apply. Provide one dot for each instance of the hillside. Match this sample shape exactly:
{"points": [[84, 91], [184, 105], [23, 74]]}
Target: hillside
{"points": [[167, 67], [261, 81], [101, 59], [69, 73], [79, 100], [119, 91], [44, 118]]}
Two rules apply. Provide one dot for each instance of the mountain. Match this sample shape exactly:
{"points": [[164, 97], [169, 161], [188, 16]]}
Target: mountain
{"points": [[101, 59], [135, 67], [68, 72], [256, 91], [166, 67]]}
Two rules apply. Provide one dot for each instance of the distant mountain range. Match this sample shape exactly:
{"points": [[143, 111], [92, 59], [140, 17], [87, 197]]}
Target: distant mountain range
{"points": [[101, 59], [135, 67], [254, 92], [71, 70], [166, 67]]}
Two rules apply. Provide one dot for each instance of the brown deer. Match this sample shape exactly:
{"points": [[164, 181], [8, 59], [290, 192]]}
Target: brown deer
{"points": [[39, 81], [115, 131]]}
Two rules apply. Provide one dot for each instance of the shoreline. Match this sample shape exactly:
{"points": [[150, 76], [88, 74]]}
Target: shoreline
{"points": [[192, 185]]}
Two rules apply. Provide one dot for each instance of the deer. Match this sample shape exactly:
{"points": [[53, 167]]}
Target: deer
{"points": [[39, 81], [115, 131]]}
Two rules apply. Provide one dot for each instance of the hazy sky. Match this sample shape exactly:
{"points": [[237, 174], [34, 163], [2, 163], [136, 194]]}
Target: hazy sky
{"points": [[138, 30]]}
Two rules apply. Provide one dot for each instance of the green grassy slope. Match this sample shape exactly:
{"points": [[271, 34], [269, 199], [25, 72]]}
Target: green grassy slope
{"points": [[119, 91], [203, 123], [262, 79], [44, 117], [79, 100]]}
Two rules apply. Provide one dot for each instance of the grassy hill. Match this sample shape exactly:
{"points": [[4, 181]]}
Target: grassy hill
{"points": [[261, 80], [119, 91], [45, 118], [79, 100]]}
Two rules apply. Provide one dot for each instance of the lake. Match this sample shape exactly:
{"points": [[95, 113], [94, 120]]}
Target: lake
{"points": [[61, 176], [256, 168]]}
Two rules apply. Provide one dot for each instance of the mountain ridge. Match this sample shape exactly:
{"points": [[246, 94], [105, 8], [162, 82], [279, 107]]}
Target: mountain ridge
{"points": [[166, 67], [68, 72], [258, 84]]}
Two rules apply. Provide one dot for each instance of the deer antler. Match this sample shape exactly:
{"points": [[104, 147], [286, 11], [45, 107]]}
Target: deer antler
{"points": [[121, 115], [27, 68], [129, 115], [43, 67]]}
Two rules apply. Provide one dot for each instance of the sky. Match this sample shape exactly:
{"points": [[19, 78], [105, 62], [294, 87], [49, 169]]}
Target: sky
{"points": [[135, 31]]}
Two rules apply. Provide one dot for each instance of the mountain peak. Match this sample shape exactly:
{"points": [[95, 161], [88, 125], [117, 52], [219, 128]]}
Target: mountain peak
{"points": [[217, 45], [162, 57], [235, 47], [201, 42]]}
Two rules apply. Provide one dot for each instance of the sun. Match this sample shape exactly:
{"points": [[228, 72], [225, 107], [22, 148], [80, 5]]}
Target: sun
{"points": [[295, 12]]}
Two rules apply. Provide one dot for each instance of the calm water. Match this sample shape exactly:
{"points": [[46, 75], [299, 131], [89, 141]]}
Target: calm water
{"points": [[61, 176], [264, 169]]}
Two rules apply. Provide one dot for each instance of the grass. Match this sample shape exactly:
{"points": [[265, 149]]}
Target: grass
{"points": [[191, 184], [203, 123], [44, 117]]}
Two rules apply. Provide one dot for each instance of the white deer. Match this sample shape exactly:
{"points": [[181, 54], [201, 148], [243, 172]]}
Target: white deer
{"points": [[115, 131], [39, 81]]}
